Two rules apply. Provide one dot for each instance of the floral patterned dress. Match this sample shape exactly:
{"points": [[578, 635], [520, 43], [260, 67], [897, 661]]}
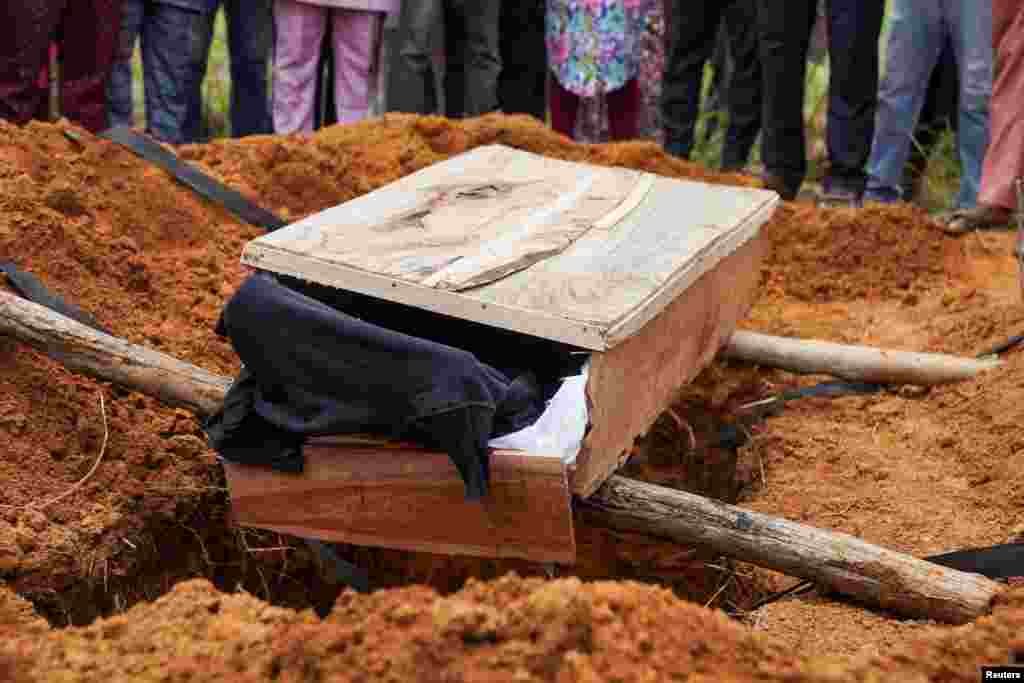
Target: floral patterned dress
{"points": [[593, 45]]}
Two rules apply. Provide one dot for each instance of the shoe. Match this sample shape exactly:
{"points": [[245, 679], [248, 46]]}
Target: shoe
{"points": [[980, 217], [840, 198], [775, 183]]}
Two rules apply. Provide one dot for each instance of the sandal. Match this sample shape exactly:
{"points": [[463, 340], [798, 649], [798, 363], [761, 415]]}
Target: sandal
{"points": [[978, 218]]}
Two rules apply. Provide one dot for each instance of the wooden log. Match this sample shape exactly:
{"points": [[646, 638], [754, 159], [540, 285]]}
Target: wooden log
{"points": [[836, 561], [839, 562], [109, 358], [856, 363]]}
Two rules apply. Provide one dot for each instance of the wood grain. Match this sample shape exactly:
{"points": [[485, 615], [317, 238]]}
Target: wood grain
{"points": [[401, 496], [839, 562], [633, 383], [576, 253]]}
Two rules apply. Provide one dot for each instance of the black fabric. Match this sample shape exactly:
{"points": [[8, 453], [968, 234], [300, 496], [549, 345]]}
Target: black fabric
{"points": [[193, 178], [30, 287], [313, 370]]}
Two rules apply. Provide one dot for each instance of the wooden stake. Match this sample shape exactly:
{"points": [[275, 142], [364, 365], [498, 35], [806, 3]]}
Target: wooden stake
{"points": [[108, 358], [839, 562], [856, 363]]}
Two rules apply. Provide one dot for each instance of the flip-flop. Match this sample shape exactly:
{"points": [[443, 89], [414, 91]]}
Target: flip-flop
{"points": [[978, 218]]}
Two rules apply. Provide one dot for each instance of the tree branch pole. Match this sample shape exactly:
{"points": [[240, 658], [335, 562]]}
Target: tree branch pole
{"points": [[855, 363], [837, 561], [112, 359]]}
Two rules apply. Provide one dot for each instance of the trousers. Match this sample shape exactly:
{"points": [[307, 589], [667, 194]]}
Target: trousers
{"points": [[86, 32], [356, 39]]}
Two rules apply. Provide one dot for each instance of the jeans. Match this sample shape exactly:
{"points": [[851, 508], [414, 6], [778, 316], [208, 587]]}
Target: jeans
{"points": [[694, 30], [919, 31], [171, 57], [475, 23], [785, 31], [250, 37]]}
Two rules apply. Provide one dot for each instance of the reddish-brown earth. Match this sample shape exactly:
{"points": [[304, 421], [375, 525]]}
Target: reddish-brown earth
{"points": [[917, 471]]}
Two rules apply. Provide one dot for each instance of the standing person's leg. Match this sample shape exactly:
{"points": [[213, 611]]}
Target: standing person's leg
{"points": [[26, 27], [784, 29], [299, 31], [854, 30], [971, 25], [1004, 160], [417, 49], [565, 106], [938, 113], [172, 52], [744, 88], [89, 37], [692, 33], [481, 55], [524, 59], [917, 32], [196, 124], [250, 38], [356, 37], [455, 56], [624, 111], [120, 108]]}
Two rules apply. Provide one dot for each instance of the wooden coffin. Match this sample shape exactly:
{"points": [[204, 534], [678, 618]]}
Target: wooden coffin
{"points": [[369, 492], [648, 273]]}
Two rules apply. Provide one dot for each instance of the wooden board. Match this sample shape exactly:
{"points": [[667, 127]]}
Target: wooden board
{"points": [[373, 493], [632, 384], [576, 253]]}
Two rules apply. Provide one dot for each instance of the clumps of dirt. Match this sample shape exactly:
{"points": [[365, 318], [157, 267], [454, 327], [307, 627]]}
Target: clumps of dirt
{"points": [[153, 263], [829, 255], [17, 611], [981, 436], [508, 629]]}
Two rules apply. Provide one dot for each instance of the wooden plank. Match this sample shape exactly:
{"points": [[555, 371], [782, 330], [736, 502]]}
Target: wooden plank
{"points": [[569, 252], [632, 384], [620, 277], [454, 304], [401, 496], [462, 222]]}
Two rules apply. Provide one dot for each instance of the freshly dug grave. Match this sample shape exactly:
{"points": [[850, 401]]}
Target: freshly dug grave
{"points": [[155, 264], [509, 629]]}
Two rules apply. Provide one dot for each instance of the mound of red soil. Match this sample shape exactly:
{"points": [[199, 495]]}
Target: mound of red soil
{"points": [[509, 629]]}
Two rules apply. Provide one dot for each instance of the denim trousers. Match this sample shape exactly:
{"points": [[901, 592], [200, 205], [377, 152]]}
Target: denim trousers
{"points": [[920, 29], [250, 39], [172, 56]]}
